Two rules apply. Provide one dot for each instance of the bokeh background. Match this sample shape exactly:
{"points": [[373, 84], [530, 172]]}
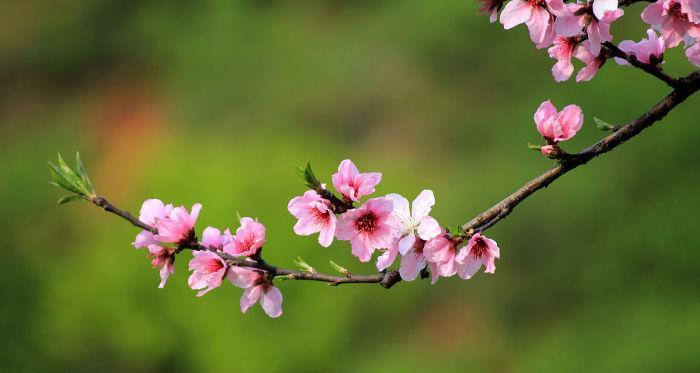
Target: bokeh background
{"points": [[215, 101]]}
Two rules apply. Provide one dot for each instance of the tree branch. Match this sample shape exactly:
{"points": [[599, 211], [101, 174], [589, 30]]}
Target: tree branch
{"points": [[386, 280], [686, 87]]}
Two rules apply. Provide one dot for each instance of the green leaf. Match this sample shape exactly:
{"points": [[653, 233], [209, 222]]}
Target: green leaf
{"points": [[80, 168], [59, 178], [304, 266], [69, 198], [603, 125], [71, 176], [340, 269]]}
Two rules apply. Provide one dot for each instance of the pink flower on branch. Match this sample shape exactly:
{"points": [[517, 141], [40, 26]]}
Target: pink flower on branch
{"points": [[258, 287], [315, 215], [352, 184], [595, 19], [413, 262], [479, 251], [649, 50], [369, 227], [675, 20], [442, 251], [208, 271], [249, 238], [558, 126], [178, 226], [562, 50], [538, 15]]}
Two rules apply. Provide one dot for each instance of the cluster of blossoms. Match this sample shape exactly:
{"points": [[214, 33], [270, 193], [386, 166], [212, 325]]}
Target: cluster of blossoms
{"points": [[578, 30], [385, 224], [389, 225], [175, 227]]}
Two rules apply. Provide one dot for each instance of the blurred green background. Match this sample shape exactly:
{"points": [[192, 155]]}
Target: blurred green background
{"points": [[215, 101]]}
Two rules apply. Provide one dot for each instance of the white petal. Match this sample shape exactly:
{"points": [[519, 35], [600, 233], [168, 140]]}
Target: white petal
{"points": [[406, 243], [400, 207], [423, 204], [428, 229]]}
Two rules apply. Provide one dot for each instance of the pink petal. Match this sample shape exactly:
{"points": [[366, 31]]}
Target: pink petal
{"points": [[602, 6], [241, 277], [271, 302], [250, 297], [515, 13], [538, 23], [411, 265], [406, 243], [423, 204]]}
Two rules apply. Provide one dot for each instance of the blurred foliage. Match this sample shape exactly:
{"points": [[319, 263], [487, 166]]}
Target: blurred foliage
{"points": [[216, 101]]}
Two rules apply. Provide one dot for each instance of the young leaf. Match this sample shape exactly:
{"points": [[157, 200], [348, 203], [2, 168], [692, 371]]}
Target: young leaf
{"points": [[340, 269], [602, 125], [60, 179], [80, 168], [304, 266], [69, 198]]}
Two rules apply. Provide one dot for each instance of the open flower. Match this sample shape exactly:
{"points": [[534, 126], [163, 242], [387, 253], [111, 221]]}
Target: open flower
{"points": [[178, 226], [442, 251], [537, 15], [249, 238], [369, 227], [693, 53], [649, 50], [595, 18], [208, 271], [258, 287], [352, 184], [674, 19], [417, 222], [163, 258], [315, 215], [555, 127], [479, 251], [562, 50]]}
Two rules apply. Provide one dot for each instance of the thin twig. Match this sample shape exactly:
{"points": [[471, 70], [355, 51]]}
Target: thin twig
{"points": [[688, 85], [649, 68]]}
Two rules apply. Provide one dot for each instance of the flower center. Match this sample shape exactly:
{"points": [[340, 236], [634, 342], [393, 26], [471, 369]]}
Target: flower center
{"points": [[675, 12], [418, 247], [366, 223], [479, 249], [213, 266]]}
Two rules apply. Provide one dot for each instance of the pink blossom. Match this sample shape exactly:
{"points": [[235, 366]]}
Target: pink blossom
{"points": [[479, 251], [693, 54], [214, 240], [413, 262], [547, 150], [249, 238], [562, 51], [649, 50], [536, 14], [675, 20], [369, 227], [258, 287], [163, 258], [208, 271], [442, 251], [595, 19], [558, 126], [593, 62], [491, 8], [151, 211], [178, 226], [315, 215], [352, 184]]}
